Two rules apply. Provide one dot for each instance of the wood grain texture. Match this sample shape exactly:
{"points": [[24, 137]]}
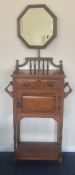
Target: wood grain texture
{"points": [[37, 151], [38, 93]]}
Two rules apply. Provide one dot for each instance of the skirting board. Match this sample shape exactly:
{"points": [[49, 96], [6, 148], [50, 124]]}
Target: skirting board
{"points": [[68, 149]]}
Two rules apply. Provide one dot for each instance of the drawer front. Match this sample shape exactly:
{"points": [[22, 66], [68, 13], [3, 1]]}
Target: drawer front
{"points": [[50, 84], [22, 83], [38, 104], [34, 83]]}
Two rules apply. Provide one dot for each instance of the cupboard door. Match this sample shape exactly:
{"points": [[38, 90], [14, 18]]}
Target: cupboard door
{"points": [[38, 104]]}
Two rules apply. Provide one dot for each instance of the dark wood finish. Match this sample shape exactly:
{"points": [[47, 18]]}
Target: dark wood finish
{"points": [[37, 151], [38, 92]]}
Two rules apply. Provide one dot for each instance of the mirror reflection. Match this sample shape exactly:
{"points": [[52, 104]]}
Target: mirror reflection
{"points": [[37, 26]]}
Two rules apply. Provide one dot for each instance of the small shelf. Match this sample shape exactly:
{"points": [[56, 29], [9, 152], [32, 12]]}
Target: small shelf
{"points": [[37, 151]]}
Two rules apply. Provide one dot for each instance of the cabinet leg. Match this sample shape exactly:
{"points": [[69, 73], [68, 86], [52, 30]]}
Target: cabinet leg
{"points": [[14, 160], [60, 161]]}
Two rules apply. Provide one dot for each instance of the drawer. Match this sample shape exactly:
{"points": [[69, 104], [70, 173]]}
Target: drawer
{"points": [[50, 84], [34, 83], [22, 83], [38, 104]]}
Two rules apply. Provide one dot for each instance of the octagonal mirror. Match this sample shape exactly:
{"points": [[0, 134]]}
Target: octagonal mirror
{"points": [[37, 26]]}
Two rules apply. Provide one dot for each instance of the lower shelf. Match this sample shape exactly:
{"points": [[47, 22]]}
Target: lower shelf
{"points": [[37, 151]]}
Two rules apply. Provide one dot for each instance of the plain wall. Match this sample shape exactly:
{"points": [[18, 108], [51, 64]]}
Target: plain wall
{"points": [[12, 48]]}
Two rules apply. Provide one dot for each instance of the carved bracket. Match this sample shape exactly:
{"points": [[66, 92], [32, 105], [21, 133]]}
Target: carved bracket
{"points": [[66, 85], [9, 91]]}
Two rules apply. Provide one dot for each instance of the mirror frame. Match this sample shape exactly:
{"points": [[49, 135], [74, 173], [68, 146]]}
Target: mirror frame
{"points": [[54, 25]]}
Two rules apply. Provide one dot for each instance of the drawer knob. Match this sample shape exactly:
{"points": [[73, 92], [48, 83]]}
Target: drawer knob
{"points": [[50, 84], [18, 105], [25, 85]]}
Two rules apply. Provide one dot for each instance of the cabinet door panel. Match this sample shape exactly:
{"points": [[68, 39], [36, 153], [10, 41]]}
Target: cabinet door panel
{"points": [[38, 104]]}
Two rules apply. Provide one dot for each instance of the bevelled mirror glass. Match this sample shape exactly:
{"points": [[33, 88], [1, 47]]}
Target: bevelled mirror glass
{"points": [[37, 26]]}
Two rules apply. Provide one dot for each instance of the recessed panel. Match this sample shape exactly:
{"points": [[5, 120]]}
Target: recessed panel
{"points": [[38, 104]]}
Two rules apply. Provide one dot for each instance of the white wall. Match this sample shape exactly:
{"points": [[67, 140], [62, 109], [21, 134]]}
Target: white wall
{"points": [[11, 48]]}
